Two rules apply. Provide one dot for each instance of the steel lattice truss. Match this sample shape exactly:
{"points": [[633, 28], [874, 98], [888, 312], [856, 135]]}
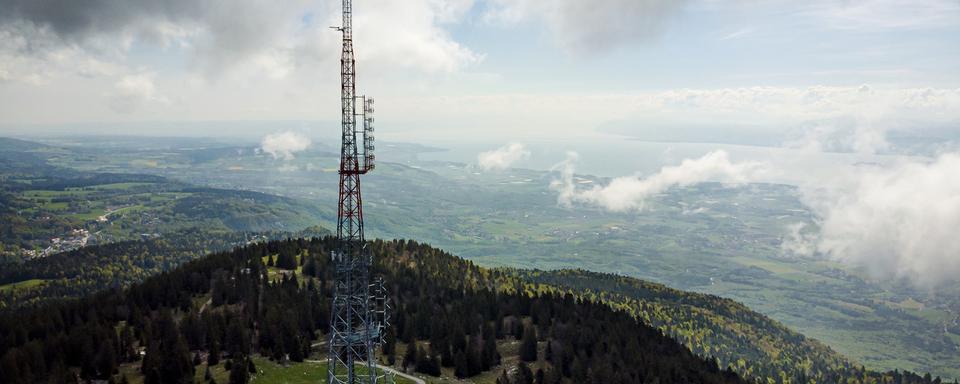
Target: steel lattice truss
{"points": [[360, 309]]}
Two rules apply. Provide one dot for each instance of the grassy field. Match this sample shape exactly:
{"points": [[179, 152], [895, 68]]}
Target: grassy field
{"points": [[26, 284], [268, 372]]}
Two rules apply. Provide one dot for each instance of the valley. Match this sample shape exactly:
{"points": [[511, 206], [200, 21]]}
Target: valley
{"points": [[707, 238]]}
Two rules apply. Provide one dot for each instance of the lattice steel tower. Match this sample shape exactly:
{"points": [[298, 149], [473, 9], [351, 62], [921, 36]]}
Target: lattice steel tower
{"points": [[359, 314]]}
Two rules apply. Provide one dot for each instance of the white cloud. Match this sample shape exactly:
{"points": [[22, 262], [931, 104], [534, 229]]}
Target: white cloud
{"points": [[591, 26], [263, 37], [503, 157], [411, 34], [34, 56], [132, 91], [630, 192], [284, 144], [841, 135], [899, 221], [799, 240]]}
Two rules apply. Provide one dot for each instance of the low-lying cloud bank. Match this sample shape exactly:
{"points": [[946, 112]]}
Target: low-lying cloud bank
{"points": [[503, 157], [901, 221], [284, 144], [896, 221], [630, 192]]}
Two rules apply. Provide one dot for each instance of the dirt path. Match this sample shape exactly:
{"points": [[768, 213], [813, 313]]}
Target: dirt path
{"points": [[205, 305]]}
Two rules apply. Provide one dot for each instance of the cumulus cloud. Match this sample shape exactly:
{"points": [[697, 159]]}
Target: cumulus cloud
{"points": [[133, 91], [273, 38], [592, 26], [899, 221], [73, 21], [631, 192], [284, 144], [35, 56], [503, 157], [799, 240]]}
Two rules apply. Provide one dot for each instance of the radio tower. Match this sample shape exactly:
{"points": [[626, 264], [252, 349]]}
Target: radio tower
{"points": [[359, 314]]}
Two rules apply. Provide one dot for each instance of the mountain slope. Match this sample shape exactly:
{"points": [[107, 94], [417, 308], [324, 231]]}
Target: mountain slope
{"points": [[452, 318], [448, 319], [116, 265], [755, 345]]}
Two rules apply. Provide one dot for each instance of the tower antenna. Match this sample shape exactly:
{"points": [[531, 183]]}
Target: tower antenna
{"points": [[360, 310]]}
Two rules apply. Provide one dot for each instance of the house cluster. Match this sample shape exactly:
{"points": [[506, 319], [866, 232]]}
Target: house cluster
{"points": [[75, 239]]}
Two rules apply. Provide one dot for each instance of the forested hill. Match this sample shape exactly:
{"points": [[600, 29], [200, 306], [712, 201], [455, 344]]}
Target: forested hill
{"points": [[754, 345], [451, 317], [94, 268]]}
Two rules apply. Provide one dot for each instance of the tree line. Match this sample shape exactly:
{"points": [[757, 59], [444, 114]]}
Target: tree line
{"points": [[449, 314]]}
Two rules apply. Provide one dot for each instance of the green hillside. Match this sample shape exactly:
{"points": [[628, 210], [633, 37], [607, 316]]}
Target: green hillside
{"points": [[755, 345], [445, 309], [450, 321]]}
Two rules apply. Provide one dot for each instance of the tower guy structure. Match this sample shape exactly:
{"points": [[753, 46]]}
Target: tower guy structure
{"points": [[360, 310]]}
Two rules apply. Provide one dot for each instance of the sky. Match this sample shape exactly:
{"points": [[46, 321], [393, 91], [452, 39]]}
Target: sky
{"points": [[857, 103], [756, 72]]}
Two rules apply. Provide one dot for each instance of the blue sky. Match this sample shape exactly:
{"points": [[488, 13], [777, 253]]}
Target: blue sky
{"points": [[711, 46]]}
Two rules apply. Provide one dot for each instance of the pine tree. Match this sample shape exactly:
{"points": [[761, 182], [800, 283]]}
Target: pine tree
{"points": [[287, 261], [389, 348], [424, 365], [528, 347], [106, 360], [213, 358], [491, 356], [460, 367], [176, 365], [503, 379], [410, 356], [239, 374], [238, 341], [310, 267], [524, 375]]}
